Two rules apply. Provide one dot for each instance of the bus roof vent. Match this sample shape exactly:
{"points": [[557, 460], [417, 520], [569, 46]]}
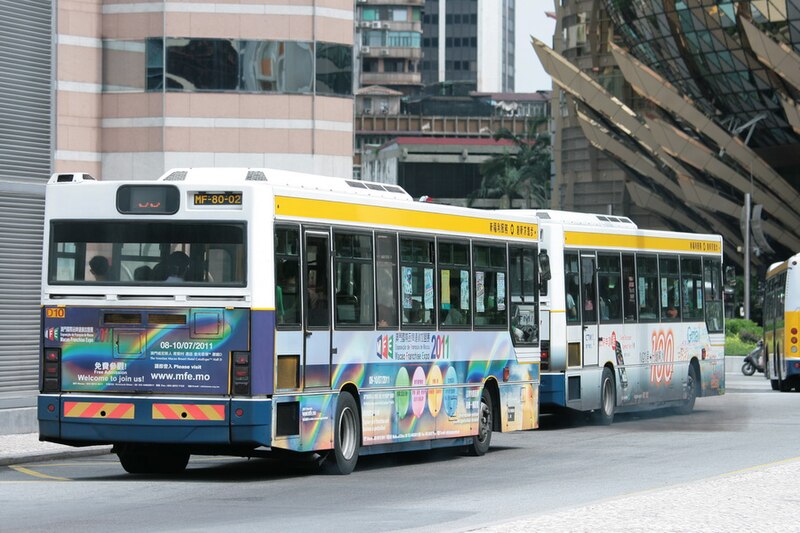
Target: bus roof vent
{"points": [[178, 175], [74, 177], [255, 175]]}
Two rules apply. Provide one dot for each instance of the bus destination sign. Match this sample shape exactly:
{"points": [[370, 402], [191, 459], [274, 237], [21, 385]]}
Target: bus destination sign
{"points": [[217, 198]]}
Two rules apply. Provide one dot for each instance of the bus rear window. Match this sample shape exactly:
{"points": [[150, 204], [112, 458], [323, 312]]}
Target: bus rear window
{"points": [[147, 253]]}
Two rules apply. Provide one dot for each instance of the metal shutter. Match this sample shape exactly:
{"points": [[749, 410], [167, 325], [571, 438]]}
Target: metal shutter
{"points": [[26, 36], [21, 228], [26, 49]]}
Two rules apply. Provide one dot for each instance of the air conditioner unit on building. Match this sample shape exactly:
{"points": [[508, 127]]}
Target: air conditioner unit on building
{"points": [[365, 49], [365, 24], [376, 24], [384, 52], [362, 1], [385, 25]]}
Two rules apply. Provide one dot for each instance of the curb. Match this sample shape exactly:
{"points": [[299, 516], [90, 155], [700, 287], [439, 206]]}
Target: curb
{"points": [[47, 456]]}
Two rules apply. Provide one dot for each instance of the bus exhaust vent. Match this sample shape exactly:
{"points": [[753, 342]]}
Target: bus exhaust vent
{"points": [[178, 175], [161, 318], [122, 318], [255, 175]]}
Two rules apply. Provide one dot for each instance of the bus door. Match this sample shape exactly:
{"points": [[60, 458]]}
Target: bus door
{"points": [[589, 306], [317, 316]]}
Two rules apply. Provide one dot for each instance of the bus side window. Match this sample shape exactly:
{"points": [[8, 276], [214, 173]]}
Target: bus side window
{"points": [[670, 288], [353, 267], [572, 293], [712, 283], [287, 276], [629, 287], [647, 287], [386, 280], [417, 281], [454, 294], [490, 285], [523, 294], [692, 288], [609, 281]]}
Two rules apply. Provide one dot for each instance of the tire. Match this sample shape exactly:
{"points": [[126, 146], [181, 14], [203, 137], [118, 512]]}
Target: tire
{"points": [[608, 399], [692, 384], [140, 459], [483, 440], [748, 368], [346, 437], [775, 384]]}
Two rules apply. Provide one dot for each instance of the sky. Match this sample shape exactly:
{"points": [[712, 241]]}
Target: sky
{"points": [[531, 20]]}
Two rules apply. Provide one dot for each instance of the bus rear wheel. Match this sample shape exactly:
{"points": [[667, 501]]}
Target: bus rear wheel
{"points": [[692, 384], [481, 442], [141, 459], [608, 399], [347, 435]]}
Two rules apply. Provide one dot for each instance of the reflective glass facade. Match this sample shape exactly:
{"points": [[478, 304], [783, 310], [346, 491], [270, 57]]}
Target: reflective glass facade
{"points": [[228, 65], [699, 47]]}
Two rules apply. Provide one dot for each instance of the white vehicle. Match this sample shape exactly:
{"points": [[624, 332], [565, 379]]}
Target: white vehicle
{"points": [[781, 324], [233, 311], [632, 319]]}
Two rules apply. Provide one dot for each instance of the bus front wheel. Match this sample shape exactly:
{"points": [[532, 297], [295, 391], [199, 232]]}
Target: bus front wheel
{"points": [[347, 435], [481, 442]]}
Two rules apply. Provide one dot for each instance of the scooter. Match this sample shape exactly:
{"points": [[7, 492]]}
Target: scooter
{"points": [[754, 360]]}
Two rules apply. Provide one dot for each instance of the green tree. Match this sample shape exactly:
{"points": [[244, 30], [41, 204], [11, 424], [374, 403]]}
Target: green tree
{"points": [[523, 172]]}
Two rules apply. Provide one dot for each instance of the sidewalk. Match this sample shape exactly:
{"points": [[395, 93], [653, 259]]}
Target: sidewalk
{"points": [[720, 503], [26, 448]]}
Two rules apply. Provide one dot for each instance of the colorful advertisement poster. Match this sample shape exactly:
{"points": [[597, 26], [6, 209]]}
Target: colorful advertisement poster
{"points": [[189, 355]]}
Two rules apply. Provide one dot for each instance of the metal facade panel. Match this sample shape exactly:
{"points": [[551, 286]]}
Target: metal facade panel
{"points": [[26, 36], [21, 229]]}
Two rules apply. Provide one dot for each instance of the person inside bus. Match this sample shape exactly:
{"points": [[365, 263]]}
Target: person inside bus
{"points": [[143, 273], [99, 267], [455, 315], [317, 305], [286, 293], [572, 295], [387, 298], [177, 267], [672, 311]]}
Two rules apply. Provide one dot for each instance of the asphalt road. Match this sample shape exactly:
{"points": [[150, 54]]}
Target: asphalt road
{"points": [[562, 465]]}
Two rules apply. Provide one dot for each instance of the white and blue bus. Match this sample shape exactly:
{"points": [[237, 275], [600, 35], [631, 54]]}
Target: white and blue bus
{"points": [[631, 319], [241, 311]]}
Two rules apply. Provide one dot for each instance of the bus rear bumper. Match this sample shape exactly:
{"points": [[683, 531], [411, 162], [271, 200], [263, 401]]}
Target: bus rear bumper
{"points": [[85, 420]]}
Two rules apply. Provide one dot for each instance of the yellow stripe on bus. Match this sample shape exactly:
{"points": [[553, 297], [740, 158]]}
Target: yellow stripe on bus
{"points": [[390, 216], [641, 242]]}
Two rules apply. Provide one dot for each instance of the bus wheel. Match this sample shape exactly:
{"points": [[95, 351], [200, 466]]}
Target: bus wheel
{"points": [[692, 383], [775, 384], [608, 399], [347, 435], [482, 441], [138, 459]]}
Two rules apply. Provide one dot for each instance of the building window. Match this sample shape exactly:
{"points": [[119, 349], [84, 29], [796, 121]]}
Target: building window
{"points": [[228, 65]]}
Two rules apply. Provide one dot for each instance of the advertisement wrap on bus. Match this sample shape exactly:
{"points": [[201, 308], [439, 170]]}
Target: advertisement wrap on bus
{"points": [[189, 353]]}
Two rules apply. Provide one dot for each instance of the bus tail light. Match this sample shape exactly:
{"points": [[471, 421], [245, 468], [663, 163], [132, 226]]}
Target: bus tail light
{"points": [[241, 373], [545, 355], [51, 375]]}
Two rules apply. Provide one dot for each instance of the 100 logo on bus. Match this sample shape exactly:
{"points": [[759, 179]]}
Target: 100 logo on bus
{"points": [[662, 358]]}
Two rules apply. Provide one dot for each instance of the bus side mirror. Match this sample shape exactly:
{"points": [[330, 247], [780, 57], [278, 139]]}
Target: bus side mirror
{"points": [[544, 266], [730, 276]]}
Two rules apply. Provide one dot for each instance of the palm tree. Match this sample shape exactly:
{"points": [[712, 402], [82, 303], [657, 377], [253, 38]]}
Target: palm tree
{"points": [[523, 173]]}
